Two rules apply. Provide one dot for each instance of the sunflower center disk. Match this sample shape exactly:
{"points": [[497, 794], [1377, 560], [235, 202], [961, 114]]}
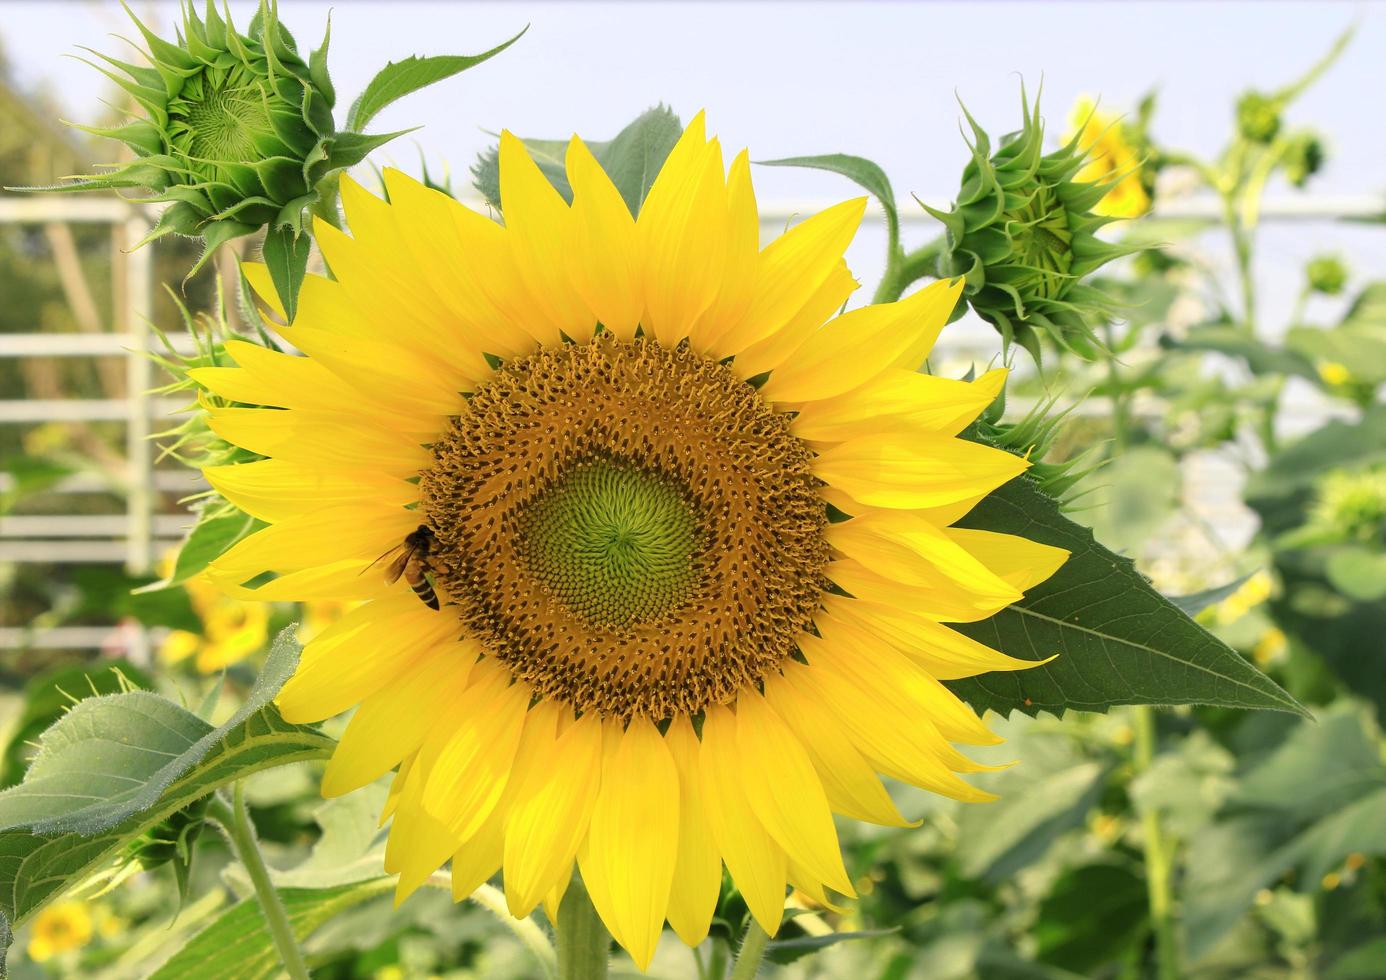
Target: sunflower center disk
{"points": [[216, 118], [613, 543], [629, 528]]}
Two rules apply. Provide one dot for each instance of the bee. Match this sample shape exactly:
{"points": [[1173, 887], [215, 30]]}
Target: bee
{"points": [[409, 559]]}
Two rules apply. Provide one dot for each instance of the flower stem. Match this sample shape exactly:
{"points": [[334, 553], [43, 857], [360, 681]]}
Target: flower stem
{"points": [[235, 821], [526, 930], [1157, 855], [584, 945], [904, 268], [752, 952]]}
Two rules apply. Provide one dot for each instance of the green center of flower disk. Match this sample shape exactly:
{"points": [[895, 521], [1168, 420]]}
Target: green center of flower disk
{"points": [[613, 543], [1042, 240], [218, 116]]}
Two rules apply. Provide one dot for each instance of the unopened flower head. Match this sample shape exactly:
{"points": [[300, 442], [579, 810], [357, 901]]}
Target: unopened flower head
{"points": [[236, 129], [1023, 233]]}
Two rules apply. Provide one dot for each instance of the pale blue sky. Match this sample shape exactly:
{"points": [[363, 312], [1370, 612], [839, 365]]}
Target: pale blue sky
{"points": [[876, 79]]}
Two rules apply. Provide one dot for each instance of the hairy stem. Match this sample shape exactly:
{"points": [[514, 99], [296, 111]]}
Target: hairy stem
{"points": [[235, 821], [1158, 856], [905, 268], [526, 930], [752, 952]]}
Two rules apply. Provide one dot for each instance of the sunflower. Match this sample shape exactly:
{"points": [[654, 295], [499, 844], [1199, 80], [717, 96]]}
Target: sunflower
{"points": [[687, 531], [1113, 159]]}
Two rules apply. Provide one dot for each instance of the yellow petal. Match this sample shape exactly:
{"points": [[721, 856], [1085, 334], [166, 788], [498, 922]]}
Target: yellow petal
{"points": [[849, 781], [860, 345], [633, 839], [770, 353], [330, 535], [601, 253], [419, 843], [550, 815], [479, 856], [905, 547], [698, 872], [741, 267], [536, 219], [755, 860], [344, 580], [853, 653], [785, 792], [1019, 561], [467, 276], [792, 268], [319, 438], [889, 471], [393, 722], [921, 401], [274, 489], [682, 232], [471, 761], [943, 652], [360, 653], [892, 739]]}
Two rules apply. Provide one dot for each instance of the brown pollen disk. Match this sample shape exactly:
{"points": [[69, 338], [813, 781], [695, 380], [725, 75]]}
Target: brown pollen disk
{"points": [[629, 528]]}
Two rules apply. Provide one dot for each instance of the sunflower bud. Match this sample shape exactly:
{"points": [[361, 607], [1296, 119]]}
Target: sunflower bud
{"points": [[1023, 233], [1327, 274], [237, 130], [1258, 116], [1304, 157]]}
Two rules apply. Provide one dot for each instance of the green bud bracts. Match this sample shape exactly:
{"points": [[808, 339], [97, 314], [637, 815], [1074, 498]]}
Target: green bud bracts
{"points": [[1327, 274], [1023, 234], [237, 131]]}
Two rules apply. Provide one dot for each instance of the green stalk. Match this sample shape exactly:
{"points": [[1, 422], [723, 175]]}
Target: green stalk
{"points": [[1158, 856], [584, 945], [235, 821], [752, 952], [526, 930], [905, 268]]}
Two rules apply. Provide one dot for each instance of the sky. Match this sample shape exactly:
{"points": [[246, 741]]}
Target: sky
{"points": [[881, 80]]}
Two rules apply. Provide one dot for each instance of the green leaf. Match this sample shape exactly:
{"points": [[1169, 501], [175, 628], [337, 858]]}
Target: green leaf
{"points": [[1047, 795], [49, 844], [1195, 602], [1305, 807], [632, 160], [348, 149], [1093, 915], [1117, 640], [399, 78], [784, 951], [115, 755], [1259, 356], [50, 694], [206, 542], [286, 255], [1357, 572], [861, 171], [238, 945]]}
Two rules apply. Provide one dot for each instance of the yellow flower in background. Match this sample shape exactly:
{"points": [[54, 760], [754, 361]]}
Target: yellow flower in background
{"points": [[320, 614], [1113, 158], [231, 629], [1252, 593], [1333, 373], [578, 471], [61, 927], [1269, 645]]}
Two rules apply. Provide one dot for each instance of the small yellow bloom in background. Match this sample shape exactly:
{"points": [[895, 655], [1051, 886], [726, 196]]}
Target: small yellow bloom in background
{"points": [[1113, 158], [1333, 373], [1269, 646], [59, 928], [231, 630], [1252, 593], [319, 614]]}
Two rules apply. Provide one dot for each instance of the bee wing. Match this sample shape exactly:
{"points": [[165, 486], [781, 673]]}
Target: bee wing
{"points": [[396, 568]]}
